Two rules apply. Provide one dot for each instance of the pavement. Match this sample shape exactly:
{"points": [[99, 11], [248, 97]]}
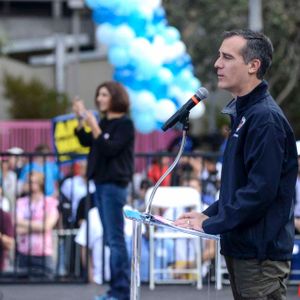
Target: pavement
{"points": [[88, 291]]}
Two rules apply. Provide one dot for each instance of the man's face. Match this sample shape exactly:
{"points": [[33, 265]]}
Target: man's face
{"points": [[232, 71]]}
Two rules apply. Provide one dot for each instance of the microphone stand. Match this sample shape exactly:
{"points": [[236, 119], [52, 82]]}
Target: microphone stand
{"points": [[137, 225], [185, 126], [146, 217]]}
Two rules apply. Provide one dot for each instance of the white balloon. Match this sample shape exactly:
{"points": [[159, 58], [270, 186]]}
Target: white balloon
{"points": [[139, 46], [164, 109], [123, 35], [174, 51], [105, 34], [198, 111], [165, 75], [145, 101], [147, 12], [150, 4], [176, 92]]}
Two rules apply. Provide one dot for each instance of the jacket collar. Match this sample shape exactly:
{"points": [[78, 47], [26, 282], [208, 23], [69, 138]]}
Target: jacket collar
{"points": [[240, 104]]}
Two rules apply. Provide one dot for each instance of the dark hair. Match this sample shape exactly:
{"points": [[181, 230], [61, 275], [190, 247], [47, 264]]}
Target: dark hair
{"points": [[258, 46], [119, 97], [42, 148]]}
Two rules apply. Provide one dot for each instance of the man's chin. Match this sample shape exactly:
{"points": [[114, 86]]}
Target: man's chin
{"points": [[221, 85]]}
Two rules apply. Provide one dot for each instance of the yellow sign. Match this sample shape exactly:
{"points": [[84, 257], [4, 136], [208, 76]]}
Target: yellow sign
{"points": [[64, 138]]}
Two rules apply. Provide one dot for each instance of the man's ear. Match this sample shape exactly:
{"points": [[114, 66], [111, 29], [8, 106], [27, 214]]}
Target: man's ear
{"points": [[254, 65]]}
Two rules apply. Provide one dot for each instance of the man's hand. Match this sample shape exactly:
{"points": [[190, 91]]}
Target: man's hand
{"points": [[191, 220]]}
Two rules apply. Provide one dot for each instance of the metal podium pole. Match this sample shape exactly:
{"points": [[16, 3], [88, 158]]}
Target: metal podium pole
{"points": [[135, 261]]}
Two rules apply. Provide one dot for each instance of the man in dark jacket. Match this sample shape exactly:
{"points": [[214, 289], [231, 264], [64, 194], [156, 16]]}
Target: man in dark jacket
{"points": [[254, 213]]}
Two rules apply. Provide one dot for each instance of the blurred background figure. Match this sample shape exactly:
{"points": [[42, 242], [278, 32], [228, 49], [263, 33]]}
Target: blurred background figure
{"points": [[139, 197], [297, 202], [4, 202], [42, 164], [157, 168], [9, 183], [15, 160], [210, 181], [208, 246], [37, 215], [74, 191], [98, 261], [6, 238]]}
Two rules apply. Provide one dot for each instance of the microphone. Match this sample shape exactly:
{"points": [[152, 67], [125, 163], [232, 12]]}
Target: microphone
{"points": [[200, 94]]}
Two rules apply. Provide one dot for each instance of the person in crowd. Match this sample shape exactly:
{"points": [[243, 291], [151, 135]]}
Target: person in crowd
{"points": [[158, 167], [139, 198], [225, 130], [6, 237], [74, 191], [297, 201], [9, 183], [42, 164], [110, 165], [210, 181], [36, 216], [4, 202], [95, 247], [16, 160], [208, 246], [254, 213]]}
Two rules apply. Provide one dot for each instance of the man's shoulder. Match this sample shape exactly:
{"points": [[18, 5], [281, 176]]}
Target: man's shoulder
{"points": [[267, 111]]}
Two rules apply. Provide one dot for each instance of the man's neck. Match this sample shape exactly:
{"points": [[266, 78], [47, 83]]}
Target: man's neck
{"points": [[250, 86]]}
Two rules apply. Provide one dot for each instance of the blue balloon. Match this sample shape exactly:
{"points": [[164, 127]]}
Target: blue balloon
{"points": [[159, 90], [159, 16], [137, 84], [129, 28], [159, 84], [105, 15], [138, 23], [144, 123], [92, 4], [183, 79], [182, 63], [112, 4], [124, 75], [148, 68], [118, 56]]}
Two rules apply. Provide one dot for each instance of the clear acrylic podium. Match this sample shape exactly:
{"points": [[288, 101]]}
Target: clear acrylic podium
{"points": [[139, 218]]}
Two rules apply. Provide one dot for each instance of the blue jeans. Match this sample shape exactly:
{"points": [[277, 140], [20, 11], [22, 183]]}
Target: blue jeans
{"points": [[110, 199]]}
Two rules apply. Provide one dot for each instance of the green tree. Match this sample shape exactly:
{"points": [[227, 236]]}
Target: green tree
{"points": [[32, 100], [202, 22]]}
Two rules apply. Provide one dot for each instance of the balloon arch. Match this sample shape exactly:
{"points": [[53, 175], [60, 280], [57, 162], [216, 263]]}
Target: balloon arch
{"points": [[149, 59]]}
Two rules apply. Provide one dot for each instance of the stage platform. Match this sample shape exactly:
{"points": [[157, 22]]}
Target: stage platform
{"points": [[88, 291]]}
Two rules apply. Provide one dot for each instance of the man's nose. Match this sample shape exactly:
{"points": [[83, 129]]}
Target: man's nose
{"points": [[217, 63]]}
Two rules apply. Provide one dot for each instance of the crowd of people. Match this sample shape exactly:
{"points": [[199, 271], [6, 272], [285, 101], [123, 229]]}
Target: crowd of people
{"points": [[38, 195]]}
